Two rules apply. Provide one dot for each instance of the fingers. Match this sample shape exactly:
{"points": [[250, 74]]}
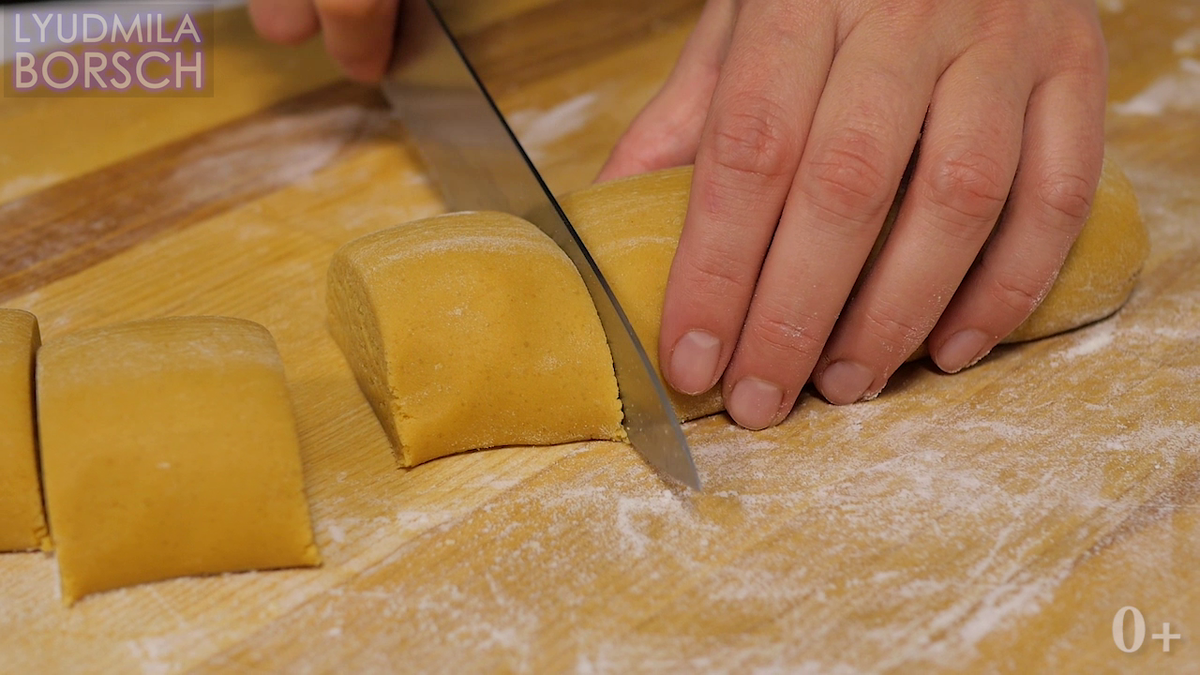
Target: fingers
{"points": [[358, 34], [862, 136], [749, 149], [284, 21], [969, 154], [667, 131], [1056, 180]]}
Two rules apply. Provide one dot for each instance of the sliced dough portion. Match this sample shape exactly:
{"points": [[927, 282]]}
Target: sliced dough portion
{"points": [[22, 522], [632, 228], [169, 449], [472, 330]]}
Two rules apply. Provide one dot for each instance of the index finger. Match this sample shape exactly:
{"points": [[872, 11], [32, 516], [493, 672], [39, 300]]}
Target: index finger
{"points": [[358, 34], [749, 150]]}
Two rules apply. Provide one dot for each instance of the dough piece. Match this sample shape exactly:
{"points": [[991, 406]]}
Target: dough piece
{"points": [[632, 227], [169, 449], [1102, 267], [22, 522], [469, 331]]}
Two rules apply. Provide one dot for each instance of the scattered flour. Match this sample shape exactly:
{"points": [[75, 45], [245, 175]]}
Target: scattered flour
{"points": [[1188, 43], [276, 151], [1092, 340], [1176, 91], [23, 185], [538, 129]]}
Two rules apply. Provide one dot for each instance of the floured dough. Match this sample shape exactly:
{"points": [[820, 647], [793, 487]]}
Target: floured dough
{"points": [[22, 523], [169, 449], [449, 323], [632, 227], [472, 331]]}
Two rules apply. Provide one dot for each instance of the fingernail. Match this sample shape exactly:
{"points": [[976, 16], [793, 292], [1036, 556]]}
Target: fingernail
{"points": [[754, 403], [846, 382], [963, 349], [694, 362]]}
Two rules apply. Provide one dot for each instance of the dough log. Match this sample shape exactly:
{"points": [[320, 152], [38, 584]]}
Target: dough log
{"points": [[22, 522], [169, 449], [632, 227], [472, 330]]}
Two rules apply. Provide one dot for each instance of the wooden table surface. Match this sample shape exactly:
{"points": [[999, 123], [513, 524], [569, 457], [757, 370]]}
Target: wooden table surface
{"points": [[992, 521]]}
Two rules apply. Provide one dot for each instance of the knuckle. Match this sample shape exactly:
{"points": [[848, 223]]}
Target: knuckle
{"points": [[1019, 293], [786, 332], [1085, 47], [1092, 47], [969, 185], [754, 140], [710, 275], [896, 331], [847, 178], [1066, 196]]}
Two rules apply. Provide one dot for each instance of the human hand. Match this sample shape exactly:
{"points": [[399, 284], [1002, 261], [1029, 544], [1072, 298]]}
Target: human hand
{"points": [[357, 33], [801, 117]]}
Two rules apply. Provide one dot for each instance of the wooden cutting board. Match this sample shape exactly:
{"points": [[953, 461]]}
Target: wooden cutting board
{"points": [[993, 521]]}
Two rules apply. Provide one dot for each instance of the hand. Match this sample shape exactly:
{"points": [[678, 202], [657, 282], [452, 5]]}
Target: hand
{"points": [[358, 33], [801, 116]]}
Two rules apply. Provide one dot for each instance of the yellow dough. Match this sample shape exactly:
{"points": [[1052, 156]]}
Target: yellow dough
{"points": [[169, 449], [22, 522], [1103, 266], [470, 331], [632, 227]]}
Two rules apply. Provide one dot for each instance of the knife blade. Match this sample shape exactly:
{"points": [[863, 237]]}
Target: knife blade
{"points": [[479, 164]]}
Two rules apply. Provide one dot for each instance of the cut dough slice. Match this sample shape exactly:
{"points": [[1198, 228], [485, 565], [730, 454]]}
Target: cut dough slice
{"points": [[632, 227], [473, 330], [469, 331], [22, 522], [169, 449]]}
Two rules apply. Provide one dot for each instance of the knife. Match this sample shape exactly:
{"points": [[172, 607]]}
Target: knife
{"points": [[479, 164]]}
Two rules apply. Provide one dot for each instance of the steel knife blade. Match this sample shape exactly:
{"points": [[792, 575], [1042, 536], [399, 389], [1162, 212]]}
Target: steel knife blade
{"points": [[479, 164]]}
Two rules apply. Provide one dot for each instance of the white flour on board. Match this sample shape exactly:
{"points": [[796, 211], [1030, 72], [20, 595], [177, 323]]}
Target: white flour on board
{"points": [[287, 149], [1093, 340], [1175, 91], [23, 185], [538, 129], [1188, 43]]}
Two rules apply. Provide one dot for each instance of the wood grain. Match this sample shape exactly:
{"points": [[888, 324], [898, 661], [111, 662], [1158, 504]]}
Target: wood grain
{"points": [[536, 44], [74, 224], [49, 140], [993, 521]]}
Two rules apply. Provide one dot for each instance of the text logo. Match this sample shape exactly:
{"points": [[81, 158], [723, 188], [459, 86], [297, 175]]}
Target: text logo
{"points": [[125, 50]]}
